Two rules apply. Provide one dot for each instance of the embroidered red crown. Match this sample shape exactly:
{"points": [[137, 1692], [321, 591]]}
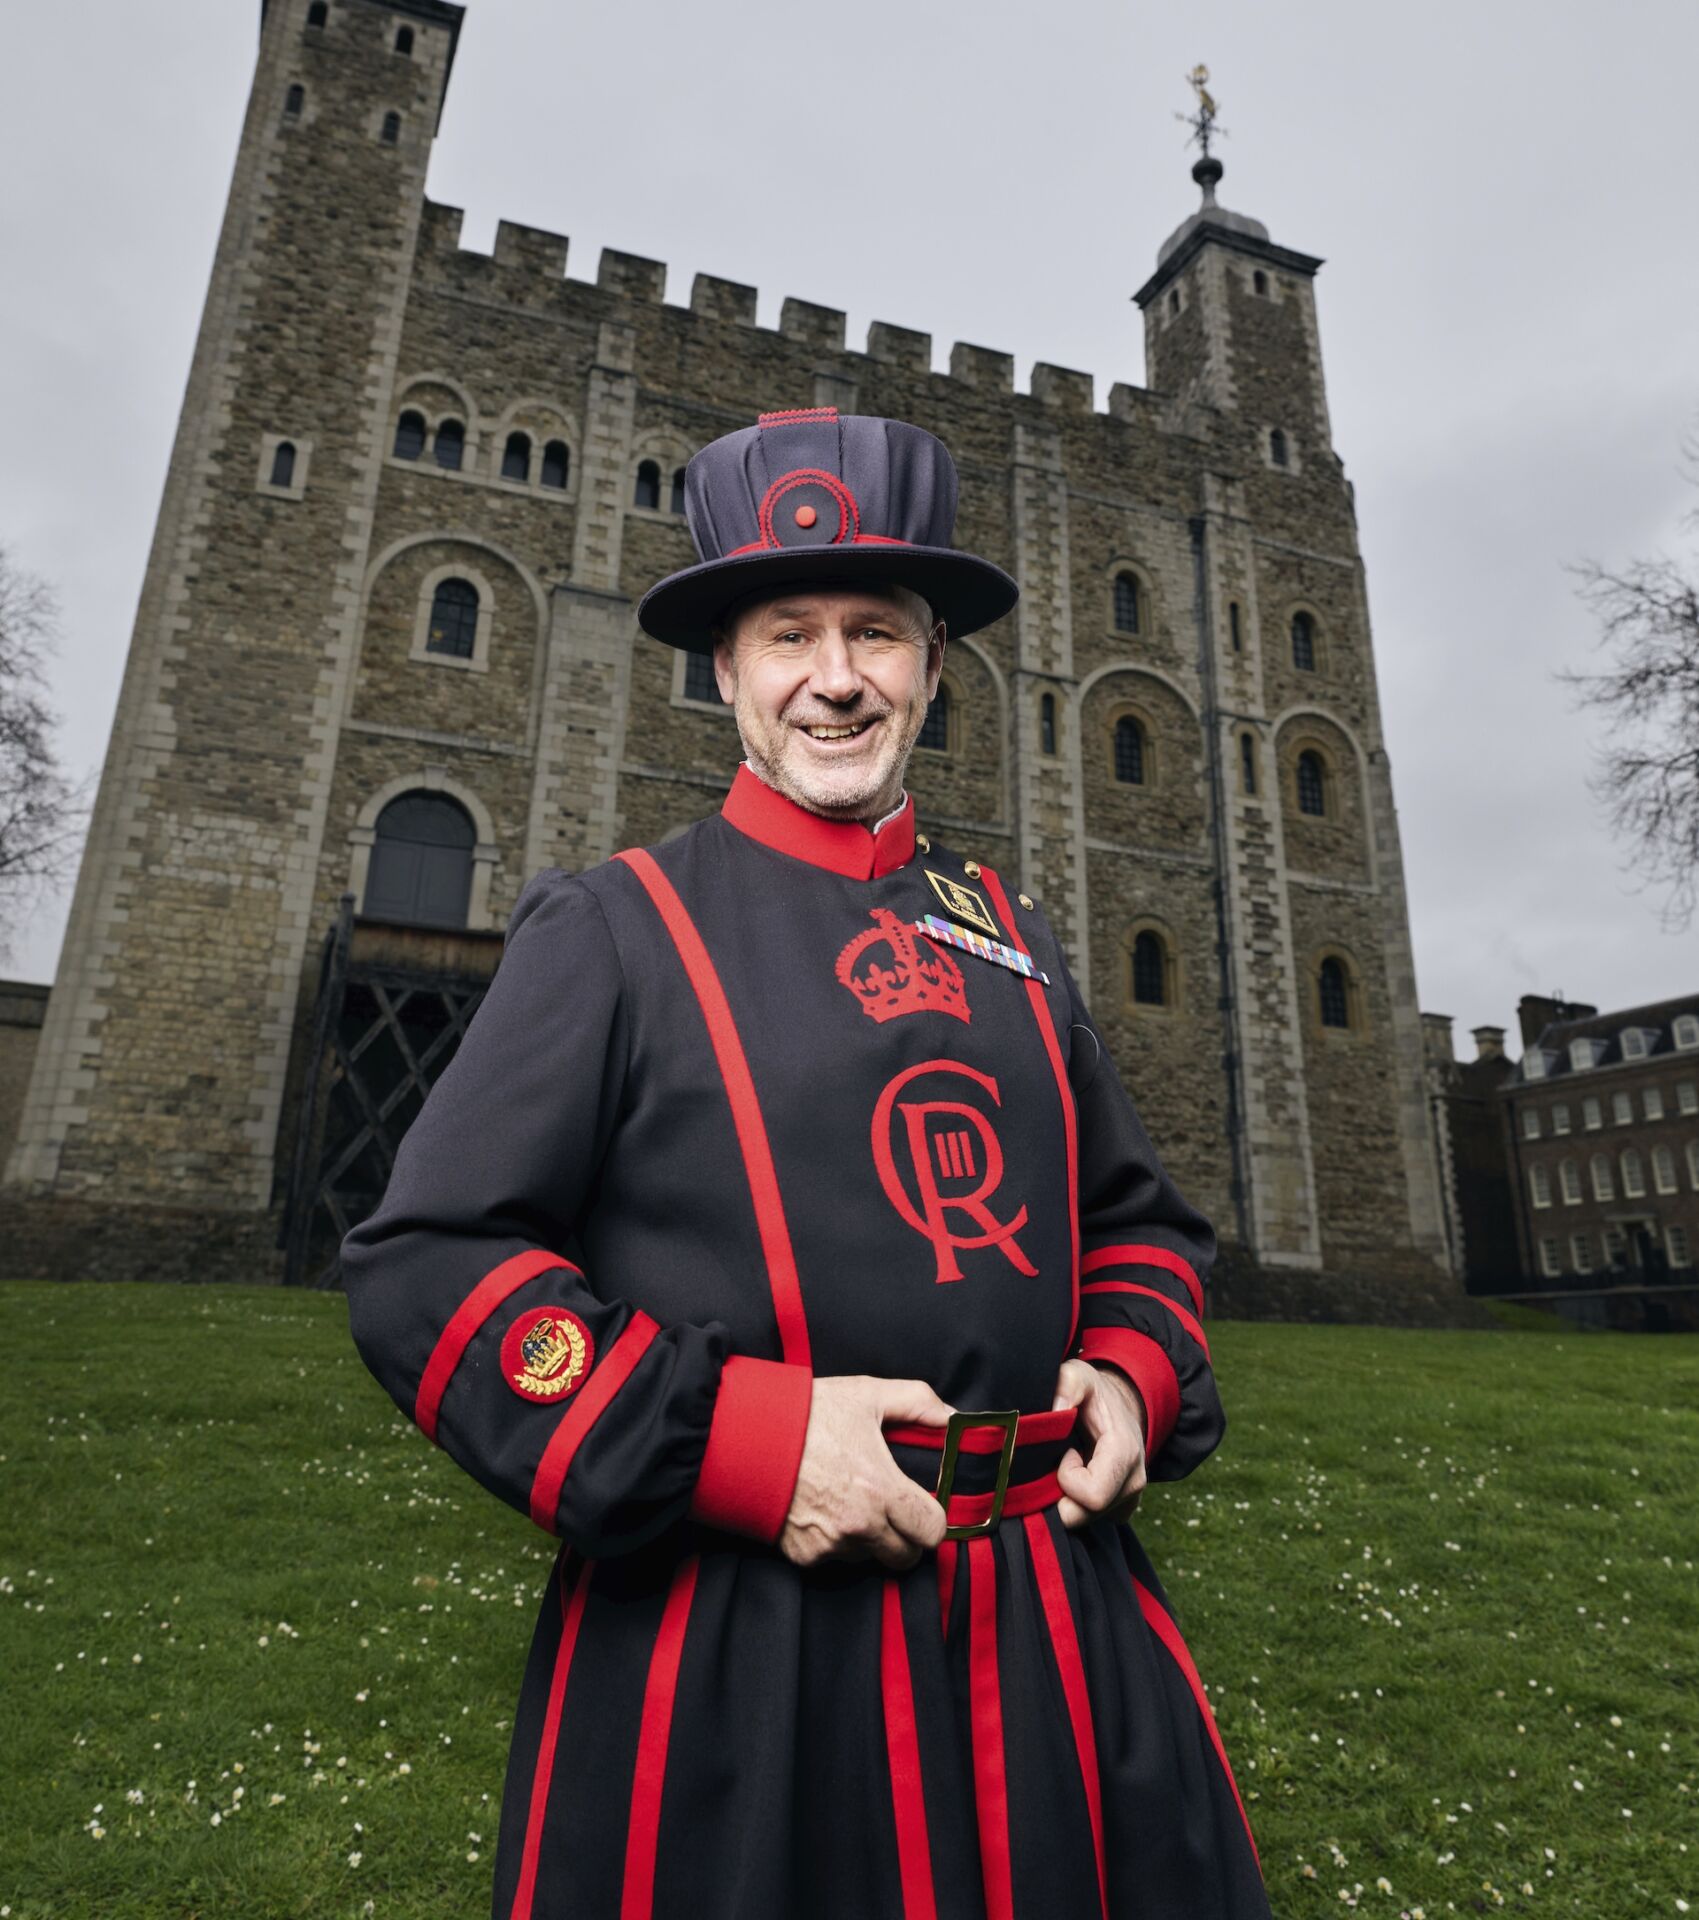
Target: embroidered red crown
{"points": [[891, 972]]}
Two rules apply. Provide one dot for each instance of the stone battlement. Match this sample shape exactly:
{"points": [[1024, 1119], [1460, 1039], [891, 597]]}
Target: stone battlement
{"points": [[541, 258]]}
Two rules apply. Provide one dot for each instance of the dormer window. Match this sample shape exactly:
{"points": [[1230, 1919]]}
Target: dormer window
{"points": [[1686, 1032], [1633, 1043], [1584, 1054], [1534, 1064]]}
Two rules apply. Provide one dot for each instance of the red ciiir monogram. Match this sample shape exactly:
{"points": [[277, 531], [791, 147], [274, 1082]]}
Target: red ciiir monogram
{"points": [[948, 1143]]}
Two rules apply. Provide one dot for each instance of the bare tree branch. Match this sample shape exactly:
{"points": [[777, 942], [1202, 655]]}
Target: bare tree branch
{"points": [[43, 815]]}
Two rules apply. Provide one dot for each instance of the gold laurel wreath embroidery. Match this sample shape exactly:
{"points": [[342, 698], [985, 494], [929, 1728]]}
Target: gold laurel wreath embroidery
{"points": [[544, 1375]]}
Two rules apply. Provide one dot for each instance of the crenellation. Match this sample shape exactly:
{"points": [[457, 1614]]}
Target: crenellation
{"points": [[900, 347], [725, 300], [531, 249], [983, 367], [819, 327], [631, 276], [1062, 388]]}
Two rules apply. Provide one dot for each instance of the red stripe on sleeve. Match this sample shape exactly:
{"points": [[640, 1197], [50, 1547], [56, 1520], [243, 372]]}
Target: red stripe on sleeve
{"points": [[1064, 1639], [1143, 1256], [1070, 1118], [754, 1449], [902, 1743], [572, 1611], [465, 1321], [1193, 1327], [1162, 1624], [990, 1769], [606, 1379], [1145, 1362], [746, 1108], [643, 1832]]}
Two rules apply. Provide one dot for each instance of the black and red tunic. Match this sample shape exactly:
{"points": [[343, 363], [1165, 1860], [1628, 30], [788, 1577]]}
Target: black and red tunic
{"points": [[726, 1120]]}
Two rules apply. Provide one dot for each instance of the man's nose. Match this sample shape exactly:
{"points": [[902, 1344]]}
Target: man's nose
{"points": [[835, 676]]}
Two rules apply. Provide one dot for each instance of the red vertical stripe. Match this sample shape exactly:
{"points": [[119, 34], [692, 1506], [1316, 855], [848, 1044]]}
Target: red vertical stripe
{"points": [[902, 1743], [990, 1776], [468, 1317], [949, 1555], [638, 1898], [572, 1611], [967, 1154], [1059, 1067], [582, 1413], [758, 1165], [1064, 1638], [1162, 1624]]}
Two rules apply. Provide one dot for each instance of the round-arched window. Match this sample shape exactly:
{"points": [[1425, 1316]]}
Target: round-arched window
{"points": [[1304, 641], [1150, 970], [647, 491], [409, 435], [451, 445], [935, 728], [1312, 784], [1330, 985], [283, 464], [557, 464], [516, 457], [677, 500], [1129, 751], [454, 619], [421, 866], [1127, 608]]}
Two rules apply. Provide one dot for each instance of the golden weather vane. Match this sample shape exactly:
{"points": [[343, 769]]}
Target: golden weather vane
{"points": [[1202, 122]]}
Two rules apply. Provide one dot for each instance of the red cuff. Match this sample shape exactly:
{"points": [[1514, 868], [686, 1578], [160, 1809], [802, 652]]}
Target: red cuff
{"points": [[754, 1449], [1144, 1362]]}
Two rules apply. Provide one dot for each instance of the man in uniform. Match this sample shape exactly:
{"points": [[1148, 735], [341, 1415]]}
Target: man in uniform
{"points": [[782, 1239]]}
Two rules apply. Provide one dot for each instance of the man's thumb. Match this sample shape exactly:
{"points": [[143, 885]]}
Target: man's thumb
{"points": [[914, 1400]]}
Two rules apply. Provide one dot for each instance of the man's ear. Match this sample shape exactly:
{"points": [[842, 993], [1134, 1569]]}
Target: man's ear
{"points": [[934, 657], [724, 678]]}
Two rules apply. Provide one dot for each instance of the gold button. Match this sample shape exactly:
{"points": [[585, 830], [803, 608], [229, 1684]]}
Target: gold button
{"points": [[971, 869], [921, 841], [1025, 902]]}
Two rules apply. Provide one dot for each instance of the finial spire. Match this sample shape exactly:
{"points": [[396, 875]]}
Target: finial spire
{"points": [[1207, 170]]}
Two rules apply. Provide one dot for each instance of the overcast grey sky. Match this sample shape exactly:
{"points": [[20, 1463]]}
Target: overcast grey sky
{"points": [[1503, 191]]}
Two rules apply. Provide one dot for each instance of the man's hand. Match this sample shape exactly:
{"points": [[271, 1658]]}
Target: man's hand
{"points": [[1106, 1487], [851, 1499]]}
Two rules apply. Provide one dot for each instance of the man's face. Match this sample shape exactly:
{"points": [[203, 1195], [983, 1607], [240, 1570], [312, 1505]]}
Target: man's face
{"points": [[830, 689]]}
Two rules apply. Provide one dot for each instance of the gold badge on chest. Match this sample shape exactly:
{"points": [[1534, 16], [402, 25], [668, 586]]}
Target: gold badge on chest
{"points": [[963, 903]]}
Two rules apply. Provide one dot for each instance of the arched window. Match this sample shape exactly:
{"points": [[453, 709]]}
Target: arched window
{"points": [[391, 129], [421, 868], [1569, 1177], [1663, 1170], [1304, 641], [1604, 1187], [1693, 1165], [410, 435], [1633, 1175], [1312, 784], [450, 444], [1047, 723], [935, 728], [1248, 761], [1127, 608], [516, 457], [647, 492], [699, 681], [1129, 751], [283, 464], [677, 501], [1330, 983], [1259, 281], [317, 14], [1277, 446], [1540, 1186], [293, 101], [1233, 625], [557, 464], [454, 619], [1150, 970], [403, 39]]}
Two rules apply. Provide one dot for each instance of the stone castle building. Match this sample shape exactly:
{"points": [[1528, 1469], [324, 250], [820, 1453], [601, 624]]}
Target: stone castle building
{"points": [[386, 647]]}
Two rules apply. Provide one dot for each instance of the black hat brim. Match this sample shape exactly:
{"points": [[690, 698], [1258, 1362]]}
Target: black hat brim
{"points": [[962, 590]]}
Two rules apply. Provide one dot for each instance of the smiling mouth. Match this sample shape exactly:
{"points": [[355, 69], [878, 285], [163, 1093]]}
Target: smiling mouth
{"points": [[851, 731]]}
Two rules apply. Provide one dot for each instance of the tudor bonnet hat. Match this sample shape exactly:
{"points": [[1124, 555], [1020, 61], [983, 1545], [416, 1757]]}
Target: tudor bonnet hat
{"points": [[811, 497]]}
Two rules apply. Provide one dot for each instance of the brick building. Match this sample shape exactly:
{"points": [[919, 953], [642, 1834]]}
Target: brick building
{"points": [[386, 647], [1600, 1124]]}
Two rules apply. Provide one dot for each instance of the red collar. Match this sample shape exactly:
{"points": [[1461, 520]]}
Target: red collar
{"points": [[840, 846]]}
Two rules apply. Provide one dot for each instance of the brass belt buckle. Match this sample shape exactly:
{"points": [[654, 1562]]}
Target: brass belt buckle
{"points": [[959, 1423]]}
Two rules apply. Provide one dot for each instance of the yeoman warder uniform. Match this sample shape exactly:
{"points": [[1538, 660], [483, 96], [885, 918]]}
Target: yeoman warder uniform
{"points": [[787, 1097]]}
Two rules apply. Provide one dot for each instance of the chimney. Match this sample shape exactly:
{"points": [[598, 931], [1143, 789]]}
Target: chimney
{"points": [[1489, 1042], [1436, 1040]]}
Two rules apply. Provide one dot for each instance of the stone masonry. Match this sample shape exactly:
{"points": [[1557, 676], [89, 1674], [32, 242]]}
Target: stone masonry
{"points": [[277, 694]]}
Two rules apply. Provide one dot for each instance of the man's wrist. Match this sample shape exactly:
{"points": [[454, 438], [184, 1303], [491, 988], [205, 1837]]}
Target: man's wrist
{"points": [[1129, 1390]]}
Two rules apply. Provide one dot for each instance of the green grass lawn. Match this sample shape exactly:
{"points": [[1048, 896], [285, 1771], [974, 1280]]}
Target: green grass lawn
{"points": [[261, 1642]]}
